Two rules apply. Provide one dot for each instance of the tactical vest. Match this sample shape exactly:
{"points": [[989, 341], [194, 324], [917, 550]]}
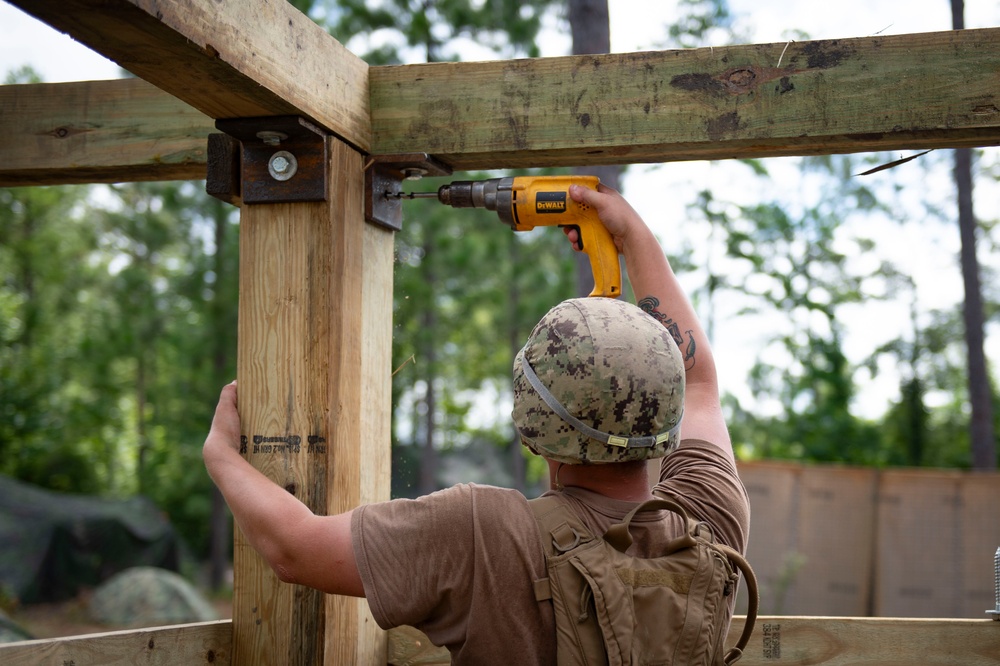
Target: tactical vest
{"points": [[615, 609]]}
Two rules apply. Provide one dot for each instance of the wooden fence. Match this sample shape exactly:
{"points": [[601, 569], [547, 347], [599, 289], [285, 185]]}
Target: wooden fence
{"points": [[846, 541]]}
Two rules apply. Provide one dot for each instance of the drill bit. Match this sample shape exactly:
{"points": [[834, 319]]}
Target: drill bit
{"points": [[411, 195]]}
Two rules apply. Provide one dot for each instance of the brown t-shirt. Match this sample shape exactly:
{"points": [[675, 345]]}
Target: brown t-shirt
{"points": [[459, 564]]}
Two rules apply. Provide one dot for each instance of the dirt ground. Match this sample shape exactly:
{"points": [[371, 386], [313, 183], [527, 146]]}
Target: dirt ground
{"points": [[70, 618]]}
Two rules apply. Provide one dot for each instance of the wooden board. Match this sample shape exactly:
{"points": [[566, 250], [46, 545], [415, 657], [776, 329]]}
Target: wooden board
{"points": [[830, 641], [836, 535], [980, 541], [792, 641], [313, 370], [813, 641], [206, 643], [839, 96], [920, 544], [359, 464], [227, 59], [773, 489], [793, 98], [99, 132], [938, 534]]}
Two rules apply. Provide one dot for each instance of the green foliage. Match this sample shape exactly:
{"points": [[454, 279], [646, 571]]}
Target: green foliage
{"points": [[112, 317], [394, 31], [803, 265], [174, 286], [24, 74], [45, 250], [698, 19]]}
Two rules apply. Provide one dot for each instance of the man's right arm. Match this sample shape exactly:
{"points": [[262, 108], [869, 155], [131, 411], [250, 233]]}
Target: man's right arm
{"points": [[702, 476], [300, 547], [659, 293]]}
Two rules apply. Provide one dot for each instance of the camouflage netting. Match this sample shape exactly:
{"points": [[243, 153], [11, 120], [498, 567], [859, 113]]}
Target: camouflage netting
{"points": [[53, 544], [146, 597]]}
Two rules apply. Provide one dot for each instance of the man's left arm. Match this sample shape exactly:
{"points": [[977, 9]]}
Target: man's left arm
{"points": [[300, 547]]}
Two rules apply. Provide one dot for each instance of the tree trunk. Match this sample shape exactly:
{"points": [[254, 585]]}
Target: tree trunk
{"points": [[981, 433], [591, 31]]}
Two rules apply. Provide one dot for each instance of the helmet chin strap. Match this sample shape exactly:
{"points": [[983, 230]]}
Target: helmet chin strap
{"points": [[607, 439]]}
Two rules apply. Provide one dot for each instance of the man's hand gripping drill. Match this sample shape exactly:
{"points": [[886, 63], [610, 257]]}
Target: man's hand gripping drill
{"points": [[526, 202]]}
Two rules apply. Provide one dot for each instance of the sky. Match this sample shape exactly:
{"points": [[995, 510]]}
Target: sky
{"points": [[661, 193]]}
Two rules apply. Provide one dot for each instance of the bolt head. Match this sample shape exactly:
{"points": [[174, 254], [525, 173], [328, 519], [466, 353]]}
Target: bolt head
{"points": [[282, 165], [279, 164]]}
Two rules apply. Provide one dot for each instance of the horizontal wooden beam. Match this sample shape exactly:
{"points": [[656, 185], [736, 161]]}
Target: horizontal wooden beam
{"points": [[819, 641], [200, 643], [933, 90], [903, 92], [227, 59], [872, 641], [98, 132]]}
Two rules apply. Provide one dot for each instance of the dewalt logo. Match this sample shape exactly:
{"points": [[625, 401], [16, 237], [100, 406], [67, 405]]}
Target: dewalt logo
{"points": [[550, 202]]}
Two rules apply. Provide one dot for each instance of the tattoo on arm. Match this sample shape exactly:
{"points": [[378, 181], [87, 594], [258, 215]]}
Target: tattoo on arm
{"points": [[649, 305]]}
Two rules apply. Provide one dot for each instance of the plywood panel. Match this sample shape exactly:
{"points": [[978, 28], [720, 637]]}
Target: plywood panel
{"points": [[919, 554], [773, 489], [836, 538], [980, 525]]}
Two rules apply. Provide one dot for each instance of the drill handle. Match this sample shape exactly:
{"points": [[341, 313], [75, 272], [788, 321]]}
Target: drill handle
{"points": [[600, 247]]}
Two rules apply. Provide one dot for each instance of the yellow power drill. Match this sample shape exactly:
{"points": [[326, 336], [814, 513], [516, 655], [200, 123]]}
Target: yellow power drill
{"points": [[526, 202]]}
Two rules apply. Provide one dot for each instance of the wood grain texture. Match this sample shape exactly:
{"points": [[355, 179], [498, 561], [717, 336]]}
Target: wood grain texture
{"points": [[314, 347], [796, 98], [933, 90], [360, 354], [206, 643], [845, 641], [285, 277], [812, 641], [788, 640], [226, 59], [98, 132]]}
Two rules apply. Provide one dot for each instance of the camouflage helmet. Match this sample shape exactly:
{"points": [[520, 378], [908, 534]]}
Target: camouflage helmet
{"points": [[599, 381]]}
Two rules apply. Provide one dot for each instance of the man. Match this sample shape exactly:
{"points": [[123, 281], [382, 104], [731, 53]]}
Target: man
{"points": [[460, 564]]}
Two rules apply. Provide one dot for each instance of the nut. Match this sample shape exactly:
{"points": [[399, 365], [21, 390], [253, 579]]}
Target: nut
{"points": [[271, 138], [282, 165]]}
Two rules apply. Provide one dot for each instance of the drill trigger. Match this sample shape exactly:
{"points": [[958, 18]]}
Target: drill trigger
{"points": [[579, 234]]}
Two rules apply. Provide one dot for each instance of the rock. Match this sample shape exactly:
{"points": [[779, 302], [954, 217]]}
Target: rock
{"points": [[10, 632], [147, 597]]}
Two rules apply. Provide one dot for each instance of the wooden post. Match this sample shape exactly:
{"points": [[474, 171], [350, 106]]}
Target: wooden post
{"points": [[314, 383]]}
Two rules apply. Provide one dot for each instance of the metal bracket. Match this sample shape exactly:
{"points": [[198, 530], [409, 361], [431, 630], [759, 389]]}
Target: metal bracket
{"points": [[281, 159], [384, 176]]}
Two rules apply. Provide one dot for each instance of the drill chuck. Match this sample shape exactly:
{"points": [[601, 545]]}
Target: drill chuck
{"points": [[475, 193]]}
